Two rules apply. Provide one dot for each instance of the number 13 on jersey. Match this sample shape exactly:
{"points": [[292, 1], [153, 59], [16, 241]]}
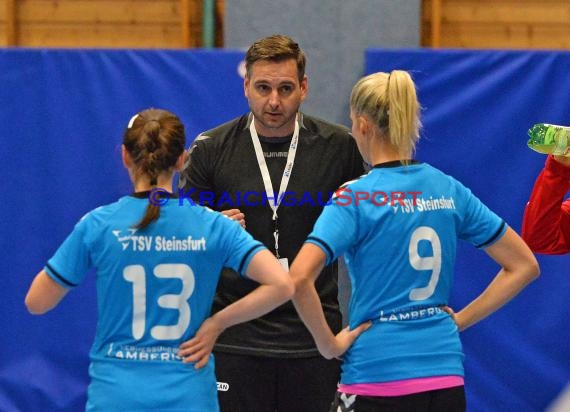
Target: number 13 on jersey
{"points": [[136, 275]]}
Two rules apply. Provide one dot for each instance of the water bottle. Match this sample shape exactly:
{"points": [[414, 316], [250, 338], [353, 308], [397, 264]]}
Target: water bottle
{"points": [[550, 139]]}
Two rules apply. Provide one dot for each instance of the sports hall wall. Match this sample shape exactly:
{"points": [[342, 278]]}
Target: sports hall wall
{"points": [[62, 115], [333, 38]]}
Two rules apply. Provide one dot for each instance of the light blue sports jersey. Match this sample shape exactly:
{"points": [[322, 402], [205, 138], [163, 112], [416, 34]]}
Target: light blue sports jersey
{"points": [[155, 287], [398, 227]]}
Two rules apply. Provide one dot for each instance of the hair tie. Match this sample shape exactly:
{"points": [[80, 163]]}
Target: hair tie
{"points": [[132, 121]]}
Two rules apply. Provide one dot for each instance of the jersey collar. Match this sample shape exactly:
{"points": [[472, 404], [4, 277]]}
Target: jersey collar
{"points": [[396, 163]]}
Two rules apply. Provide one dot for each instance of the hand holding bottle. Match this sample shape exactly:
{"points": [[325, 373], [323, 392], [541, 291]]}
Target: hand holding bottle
{"points": [[550, 139]]}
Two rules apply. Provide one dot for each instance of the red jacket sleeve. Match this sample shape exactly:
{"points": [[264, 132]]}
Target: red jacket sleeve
{"points": [[546, 221]]}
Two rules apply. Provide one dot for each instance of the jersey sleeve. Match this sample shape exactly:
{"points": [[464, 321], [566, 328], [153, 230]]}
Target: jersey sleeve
{"points": [[546, 220], [336, 228], [72, 260], [238, 246], [479, 225], [196, 176]]}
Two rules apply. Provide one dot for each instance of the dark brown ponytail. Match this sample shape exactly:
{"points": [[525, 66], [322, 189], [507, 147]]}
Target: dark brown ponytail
{"points": [[155, 140]]}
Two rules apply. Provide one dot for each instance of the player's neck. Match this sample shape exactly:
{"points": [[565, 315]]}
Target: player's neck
{"points": [[382, 152], [163, 182]]}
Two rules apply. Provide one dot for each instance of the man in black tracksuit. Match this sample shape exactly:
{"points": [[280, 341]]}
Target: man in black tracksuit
{"points": [[273, 169]]}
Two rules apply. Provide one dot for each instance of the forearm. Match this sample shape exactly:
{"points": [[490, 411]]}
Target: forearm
{"points": [[308, 305], [545, 220], [255, 304], [305, 270], [276, 287], [518, 268], [501, 290]]}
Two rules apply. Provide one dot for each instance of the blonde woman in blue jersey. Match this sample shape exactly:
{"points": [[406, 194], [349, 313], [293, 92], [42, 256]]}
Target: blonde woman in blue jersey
{"points": [[398, 228], [156, 270]]}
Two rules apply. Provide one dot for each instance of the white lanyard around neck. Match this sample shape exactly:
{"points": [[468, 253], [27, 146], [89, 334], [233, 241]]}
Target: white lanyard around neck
{"points": [[274, 203]]}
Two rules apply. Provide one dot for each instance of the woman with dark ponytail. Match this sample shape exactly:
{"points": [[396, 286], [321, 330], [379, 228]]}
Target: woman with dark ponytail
{"points": [[153, 142], [158, 266]]}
